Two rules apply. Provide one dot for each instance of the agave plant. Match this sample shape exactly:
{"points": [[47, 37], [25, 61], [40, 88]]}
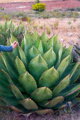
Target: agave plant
{"points": [[9, 28], [39, 74]]}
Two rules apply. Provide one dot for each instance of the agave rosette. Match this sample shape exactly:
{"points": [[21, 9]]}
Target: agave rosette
{"points": [[39, 74], [9, 28]]}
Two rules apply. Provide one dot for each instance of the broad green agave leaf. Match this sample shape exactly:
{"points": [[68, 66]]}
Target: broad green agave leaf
{"points": [[49, 78], [40, 75], [63, 65], [37, 66], [29, 104], [59, 56], [57, 44], [61, 86], [55, 101], [28, 82], [20, 66], [33, 52], [67, 51], [42, 94], [38, 44], [50, 57], [22, 56]]}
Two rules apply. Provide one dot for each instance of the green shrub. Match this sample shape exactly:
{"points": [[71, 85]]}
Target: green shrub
{"points": [[39, 7]]}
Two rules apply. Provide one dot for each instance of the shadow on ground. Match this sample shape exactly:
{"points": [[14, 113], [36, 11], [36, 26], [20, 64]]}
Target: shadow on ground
{"points": [[61, 115]]}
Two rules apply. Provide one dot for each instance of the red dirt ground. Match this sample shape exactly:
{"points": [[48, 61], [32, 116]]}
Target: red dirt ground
{"points": [[50, 5]]}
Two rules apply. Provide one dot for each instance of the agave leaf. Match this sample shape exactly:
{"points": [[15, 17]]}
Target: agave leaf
{"points": [[3, 93], [27, 43], [35, 36], [41, 94], [2, 102], [8, 79], [72, 91], [50, 57], [49, 78], [57, 44], [10, 58], [22, 56], [39, 63], [73, 96], [3, 79], [75, 73], [76, 76], [61, 86], [2, 66], [67, 51], [59, 56], [11, 101], [52, 103], [38, 44], [28, 82], [4, 83], [16, 92], [7, 76], [63, 65], [9, 25], [5, 26], [33, 52], [40, 47], [44, 39], [43, 112], [20, 66], [14, 89], [22, 44], [68, 70], [29, 104], [4, 90], [50, 43], [8, 67]]}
